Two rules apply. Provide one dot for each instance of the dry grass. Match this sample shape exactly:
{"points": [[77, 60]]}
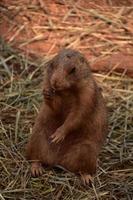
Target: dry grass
{"points": [[95, 32], [20, 96], [43, 27]]}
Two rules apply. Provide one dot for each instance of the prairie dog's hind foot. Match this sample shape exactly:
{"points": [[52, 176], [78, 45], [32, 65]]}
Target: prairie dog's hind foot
{"points": [[36, 169], [86, 179]]}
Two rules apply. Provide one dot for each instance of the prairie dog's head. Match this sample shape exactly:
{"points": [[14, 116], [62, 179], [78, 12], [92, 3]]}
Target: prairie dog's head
{"points": [[67, 70]]}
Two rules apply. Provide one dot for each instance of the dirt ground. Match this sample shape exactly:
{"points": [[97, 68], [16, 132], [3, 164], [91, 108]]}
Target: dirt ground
{"points": [[31, 32], [97, 28]]}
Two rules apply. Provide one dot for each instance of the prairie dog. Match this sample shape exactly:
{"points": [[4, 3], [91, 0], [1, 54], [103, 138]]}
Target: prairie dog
{"points": [[72, 122]]}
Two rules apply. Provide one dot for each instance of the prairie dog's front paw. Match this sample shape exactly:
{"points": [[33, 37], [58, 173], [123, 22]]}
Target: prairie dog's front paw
{"points": [[48, 93], [58, 136]]}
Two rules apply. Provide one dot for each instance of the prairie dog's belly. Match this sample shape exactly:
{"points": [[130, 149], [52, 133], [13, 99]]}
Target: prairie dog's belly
{"points": [[62, 104]]}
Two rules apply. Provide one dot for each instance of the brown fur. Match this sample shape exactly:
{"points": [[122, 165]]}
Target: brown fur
{"points": [[72, 123]]}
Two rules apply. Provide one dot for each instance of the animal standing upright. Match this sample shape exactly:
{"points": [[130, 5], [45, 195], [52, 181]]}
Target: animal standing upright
{"points": [[72, 122]]}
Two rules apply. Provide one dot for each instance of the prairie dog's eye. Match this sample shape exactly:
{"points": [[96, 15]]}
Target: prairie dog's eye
{"points": [[72, 70]]}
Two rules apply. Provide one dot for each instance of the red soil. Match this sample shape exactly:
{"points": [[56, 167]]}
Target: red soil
{"points": [[40, 28]]}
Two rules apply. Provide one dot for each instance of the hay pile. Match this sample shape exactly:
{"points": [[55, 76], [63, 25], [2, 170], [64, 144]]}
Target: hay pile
{"points": [[20, 96]]}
